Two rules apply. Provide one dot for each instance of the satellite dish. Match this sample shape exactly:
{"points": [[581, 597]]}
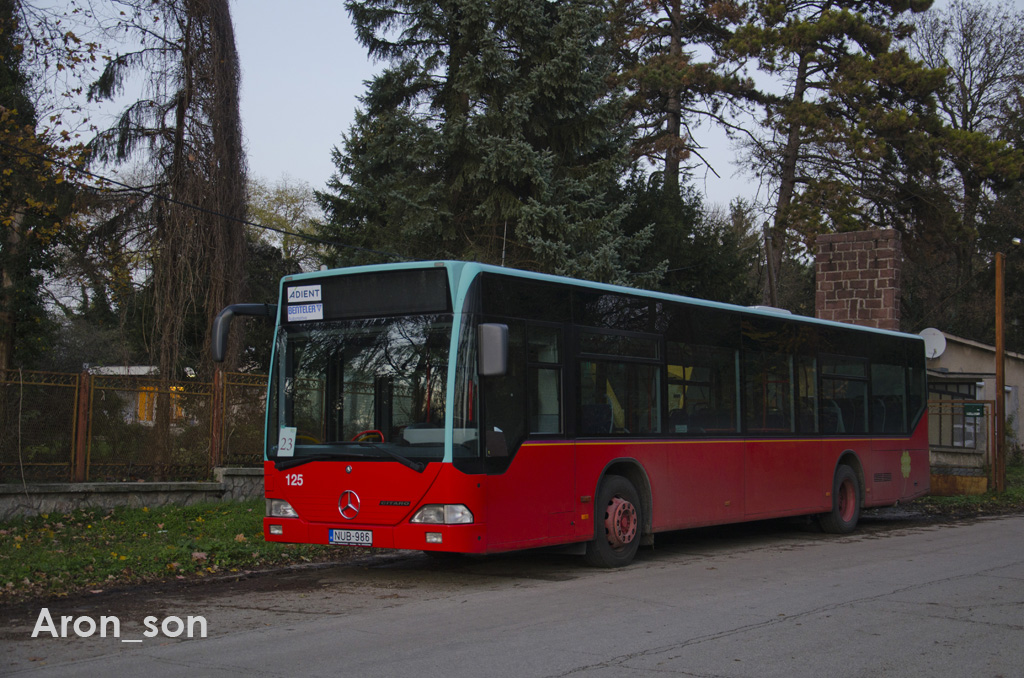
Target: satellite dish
{"points": [[934, 342]]}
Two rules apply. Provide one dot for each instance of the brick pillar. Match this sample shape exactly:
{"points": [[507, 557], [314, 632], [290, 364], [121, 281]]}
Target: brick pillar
{"points": [[858, 278]]}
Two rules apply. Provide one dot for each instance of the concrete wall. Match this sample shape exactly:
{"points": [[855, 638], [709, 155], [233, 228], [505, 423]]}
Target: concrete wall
{"points": [[232, 484]]}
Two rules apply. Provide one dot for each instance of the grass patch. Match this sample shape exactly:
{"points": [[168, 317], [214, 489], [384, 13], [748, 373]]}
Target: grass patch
{"points": [[91, 549], [1008, 502]]}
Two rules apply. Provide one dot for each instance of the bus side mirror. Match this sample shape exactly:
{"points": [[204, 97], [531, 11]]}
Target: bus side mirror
{"points": [[492, 349], [221, 324]]}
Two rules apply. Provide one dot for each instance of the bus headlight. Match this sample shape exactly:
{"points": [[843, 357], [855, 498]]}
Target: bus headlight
{"points": [[443, 514], [279, 508]]}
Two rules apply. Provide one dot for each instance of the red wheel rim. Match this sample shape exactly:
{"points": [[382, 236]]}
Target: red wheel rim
{"points": [[620, 522], [846, 502]]}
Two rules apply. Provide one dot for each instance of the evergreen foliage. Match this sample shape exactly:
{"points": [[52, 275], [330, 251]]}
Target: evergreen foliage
{"points": [[553, 136], [973, 207], [708, 256], [678, 76], [492, 136], [187, 128], [852, 102], [32, 203]]}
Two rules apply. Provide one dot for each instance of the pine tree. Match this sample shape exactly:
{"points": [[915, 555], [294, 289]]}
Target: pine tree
{"points": [[492, 135], [852, 101], [678, 76], [187, 130]]}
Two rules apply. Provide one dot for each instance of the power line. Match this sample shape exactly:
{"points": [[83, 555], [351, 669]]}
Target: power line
{"points": [[199, 208]]}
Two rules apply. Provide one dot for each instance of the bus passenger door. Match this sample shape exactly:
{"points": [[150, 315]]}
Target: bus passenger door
{"points": [[531, 481]]}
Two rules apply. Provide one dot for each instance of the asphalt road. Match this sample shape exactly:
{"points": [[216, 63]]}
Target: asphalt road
{"points": [[901, 597]]}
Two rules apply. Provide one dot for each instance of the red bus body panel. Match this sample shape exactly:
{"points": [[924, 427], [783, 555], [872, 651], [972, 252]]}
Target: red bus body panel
{"points": [[546, 495]]}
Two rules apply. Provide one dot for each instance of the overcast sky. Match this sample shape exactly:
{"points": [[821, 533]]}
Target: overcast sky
{"points": [[302, 70]]}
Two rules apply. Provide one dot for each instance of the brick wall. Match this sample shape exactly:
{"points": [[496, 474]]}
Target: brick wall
{"points": [[858, 278]]}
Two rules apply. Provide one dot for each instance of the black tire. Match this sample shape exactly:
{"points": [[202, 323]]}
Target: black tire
{"points": [[845, 513], [618, 524]]}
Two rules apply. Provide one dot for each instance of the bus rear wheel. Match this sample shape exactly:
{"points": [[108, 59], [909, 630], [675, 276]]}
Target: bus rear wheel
{"points": [[618, 523], [845, 513]]}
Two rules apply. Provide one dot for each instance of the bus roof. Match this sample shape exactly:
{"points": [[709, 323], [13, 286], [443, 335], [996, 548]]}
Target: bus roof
{"points": [[463, 272]]}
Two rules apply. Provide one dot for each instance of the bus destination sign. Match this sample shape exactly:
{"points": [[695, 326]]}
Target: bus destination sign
{"points": [[305, 303], [304, 294]]}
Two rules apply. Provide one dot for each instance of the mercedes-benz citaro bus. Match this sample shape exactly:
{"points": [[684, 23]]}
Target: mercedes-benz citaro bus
{"points": [[459, 407]]}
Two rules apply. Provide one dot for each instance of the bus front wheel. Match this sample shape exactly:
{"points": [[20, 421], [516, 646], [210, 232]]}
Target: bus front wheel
{"points": [[618, 523], [845, 513]]}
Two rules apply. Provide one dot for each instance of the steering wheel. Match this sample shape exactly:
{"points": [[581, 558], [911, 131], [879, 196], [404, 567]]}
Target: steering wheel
{"points": [[363, 435]]}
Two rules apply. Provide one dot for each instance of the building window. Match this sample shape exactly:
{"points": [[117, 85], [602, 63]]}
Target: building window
{"points": [[950, 426]]}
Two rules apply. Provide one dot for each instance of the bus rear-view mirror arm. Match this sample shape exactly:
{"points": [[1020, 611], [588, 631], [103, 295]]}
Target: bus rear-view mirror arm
{"points": [[492, 349], [221, 324]]}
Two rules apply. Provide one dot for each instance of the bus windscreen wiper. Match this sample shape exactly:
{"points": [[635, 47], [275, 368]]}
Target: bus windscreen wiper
{"points": [[292, 462], [417, 466]]}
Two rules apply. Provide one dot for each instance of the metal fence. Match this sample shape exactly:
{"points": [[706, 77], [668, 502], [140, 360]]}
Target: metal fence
{"points": [[245, 404], [38, 422], [961, 435], [91, 428]]}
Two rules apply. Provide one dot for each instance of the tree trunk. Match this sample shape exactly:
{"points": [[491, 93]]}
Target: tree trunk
{"points": [[787, 189], [224, 250], [7, 278], [674, 119]]}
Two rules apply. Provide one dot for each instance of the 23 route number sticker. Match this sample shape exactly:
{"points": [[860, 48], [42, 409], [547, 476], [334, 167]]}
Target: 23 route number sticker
{"points": [[286, 441]]}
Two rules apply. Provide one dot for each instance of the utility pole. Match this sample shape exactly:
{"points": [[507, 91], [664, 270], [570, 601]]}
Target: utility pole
{"points": [[1000, 460]]}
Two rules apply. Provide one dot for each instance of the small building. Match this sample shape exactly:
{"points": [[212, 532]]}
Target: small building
{"points": [[139, 386], [962, 394]]}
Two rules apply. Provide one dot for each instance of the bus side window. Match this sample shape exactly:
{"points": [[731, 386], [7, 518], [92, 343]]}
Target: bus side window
{"points": [[844, 394], [807, 394], [544, 389], [701, 390], [889, 399], [768, 393], [619, 398]]}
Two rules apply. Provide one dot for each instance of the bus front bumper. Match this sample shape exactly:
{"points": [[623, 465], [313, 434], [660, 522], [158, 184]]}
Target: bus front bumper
{"points": [[418, 537]]}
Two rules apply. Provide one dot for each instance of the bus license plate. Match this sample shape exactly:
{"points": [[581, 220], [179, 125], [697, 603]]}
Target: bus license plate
{"points": [[351, 537]]}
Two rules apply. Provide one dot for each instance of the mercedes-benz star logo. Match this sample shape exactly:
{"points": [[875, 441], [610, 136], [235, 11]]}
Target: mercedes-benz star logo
{"points": [[348, 505]]}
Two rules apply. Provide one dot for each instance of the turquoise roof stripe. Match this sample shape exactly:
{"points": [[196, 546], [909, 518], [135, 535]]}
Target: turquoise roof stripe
{"points": [[462, 273]]}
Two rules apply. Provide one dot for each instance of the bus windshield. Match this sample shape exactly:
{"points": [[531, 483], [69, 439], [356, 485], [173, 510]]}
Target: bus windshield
{"points": [[365, 388]]}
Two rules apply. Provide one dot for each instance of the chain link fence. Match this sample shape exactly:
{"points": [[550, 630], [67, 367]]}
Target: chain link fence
{"points": [[37, 425], [245, 404], [93, 428], [143, 429]]}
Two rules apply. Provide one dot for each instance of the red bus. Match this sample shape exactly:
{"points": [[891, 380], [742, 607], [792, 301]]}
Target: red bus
{"points": [[459, 407]]}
